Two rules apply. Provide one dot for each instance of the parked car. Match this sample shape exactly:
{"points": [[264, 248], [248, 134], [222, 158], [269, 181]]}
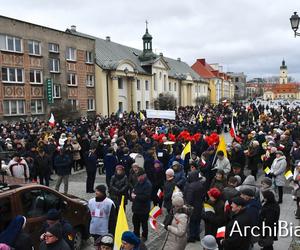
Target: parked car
{"points": [[34, 200]]}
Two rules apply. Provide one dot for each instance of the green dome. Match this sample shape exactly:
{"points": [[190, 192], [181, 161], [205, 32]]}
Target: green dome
{"points": [[147, 36]]}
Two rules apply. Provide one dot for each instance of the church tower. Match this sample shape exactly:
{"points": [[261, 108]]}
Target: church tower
{"points": [[283, 78], [147, 54]]}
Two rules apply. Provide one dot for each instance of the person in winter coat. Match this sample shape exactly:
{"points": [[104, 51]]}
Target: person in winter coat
{"points": [[131, 242], [296, 192], [91, 170], [194, 194], [119, 187], [237, 170], [42, 164], [168, 189], [249, 183], [62, 165], [222, 163], [141, 199], [157, 180], [76, 155], [176, 238], [254, 158], [233, 239], [17, 167], [14, 235], [126, 161], [214, 220], [179, 175], [110, 162], [53, 239], [238, 155], [269, 216], [219, 181], [103, 213], [230, 192], [133, 178], [266, 185], [277, 172], [269, 158]]}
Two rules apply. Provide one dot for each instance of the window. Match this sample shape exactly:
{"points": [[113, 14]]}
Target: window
{"points": [[175, 86], [165, 83], [138, 84], [56, 91], [89, 57], [12, 75], [236, 79], [10, 43], [90, 81], [53, 47], [72, 79], [138, 105], [170, 86], [120, 106], [147, 104], [73, 103], [146, 85], [54, 65], [71, 54], [91, 104], [6, 212], [37, 202], [14, 107], [120, 83], [35, 76], [37, 107], [34, 47], [160, 75]]}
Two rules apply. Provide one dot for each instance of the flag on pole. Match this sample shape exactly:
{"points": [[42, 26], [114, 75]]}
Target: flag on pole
{"points": [[288, 174], [267, 170], [232, 129], [208, 208], [155, 212], [51, 121], [187, 149], [160, 194], [200, 118], [227, 206], [220, 232], [222, 145], [142, 117], [153, 223], [121, 225]]}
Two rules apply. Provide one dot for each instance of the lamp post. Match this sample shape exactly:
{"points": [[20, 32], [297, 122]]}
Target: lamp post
{"points": [[295, 19]]}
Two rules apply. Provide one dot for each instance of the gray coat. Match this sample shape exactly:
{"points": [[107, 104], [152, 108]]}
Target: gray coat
{"points": [[278, 169], [177, 233]]}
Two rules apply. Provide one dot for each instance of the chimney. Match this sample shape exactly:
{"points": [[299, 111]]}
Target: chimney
{"points": [[202, 61], [107, 38], [161, 54], [179, 59], [73, 27]]}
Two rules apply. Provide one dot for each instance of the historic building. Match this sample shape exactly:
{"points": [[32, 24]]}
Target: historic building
{"points": [[128, 79], [239, 81], [220, 83], [43, 67]]}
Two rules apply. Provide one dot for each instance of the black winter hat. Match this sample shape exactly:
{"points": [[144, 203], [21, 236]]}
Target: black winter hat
{"points": [[101, 188], [56, 230]]}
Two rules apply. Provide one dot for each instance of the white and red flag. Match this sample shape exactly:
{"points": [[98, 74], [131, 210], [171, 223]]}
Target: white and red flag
{"points": [[155, 212], [51, 121], [160, 194], [220, 232], [233, 130]]}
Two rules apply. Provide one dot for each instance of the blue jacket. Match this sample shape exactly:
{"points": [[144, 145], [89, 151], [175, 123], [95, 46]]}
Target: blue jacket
{"points": [[62, 164], [253, 209], [179, 178], [110, 162]]}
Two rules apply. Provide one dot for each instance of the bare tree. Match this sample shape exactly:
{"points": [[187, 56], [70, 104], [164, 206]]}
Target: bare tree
{"points": [[165, 102], [65, 111]]}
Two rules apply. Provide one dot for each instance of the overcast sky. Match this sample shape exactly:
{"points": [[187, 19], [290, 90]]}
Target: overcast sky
{"points": [[252, 36]]}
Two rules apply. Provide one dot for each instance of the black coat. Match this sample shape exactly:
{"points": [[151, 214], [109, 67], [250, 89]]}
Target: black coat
{"points": [[194, 194], [168, 191], [235, 241], [118, 187], [60, 245], [141, 203], [62, 164], [269, 214], [42, 165]]}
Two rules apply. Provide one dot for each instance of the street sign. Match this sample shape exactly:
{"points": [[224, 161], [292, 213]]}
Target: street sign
{"points": [[49, 86]]}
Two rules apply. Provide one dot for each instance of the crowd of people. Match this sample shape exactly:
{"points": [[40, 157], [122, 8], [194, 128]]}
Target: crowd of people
{"points": [[142, 157]]}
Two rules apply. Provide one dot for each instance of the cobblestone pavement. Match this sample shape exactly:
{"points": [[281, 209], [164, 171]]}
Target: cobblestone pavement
{"points": [[156, 238]]}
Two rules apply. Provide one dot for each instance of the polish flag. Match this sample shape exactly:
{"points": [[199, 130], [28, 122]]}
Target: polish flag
{"points": [[220, 232], [153, 223], [155, 212], [233, 131], [227, 206], [160, 194], [52, 121]]}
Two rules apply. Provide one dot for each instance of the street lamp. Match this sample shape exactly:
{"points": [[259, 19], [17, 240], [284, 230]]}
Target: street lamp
{"points": [[295, 23]]}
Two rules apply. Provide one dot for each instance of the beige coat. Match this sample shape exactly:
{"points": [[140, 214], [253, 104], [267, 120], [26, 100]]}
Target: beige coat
{"points": [[76, 151], [177, 233]]}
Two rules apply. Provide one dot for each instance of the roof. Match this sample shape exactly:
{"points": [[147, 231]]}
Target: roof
{"points": [[109, 54], [283, 88], [203, 69]]}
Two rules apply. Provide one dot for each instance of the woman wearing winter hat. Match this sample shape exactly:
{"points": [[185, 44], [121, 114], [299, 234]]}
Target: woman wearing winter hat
{"points": [[213, 218], [176, 238], [105, 242]]}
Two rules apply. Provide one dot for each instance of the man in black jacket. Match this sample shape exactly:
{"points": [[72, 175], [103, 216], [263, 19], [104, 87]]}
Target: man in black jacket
{"points": [[237, 236], [42, 165], [141, 199]]}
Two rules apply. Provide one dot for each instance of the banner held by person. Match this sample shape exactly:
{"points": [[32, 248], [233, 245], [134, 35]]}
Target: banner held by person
{"points": [[121, 226]]}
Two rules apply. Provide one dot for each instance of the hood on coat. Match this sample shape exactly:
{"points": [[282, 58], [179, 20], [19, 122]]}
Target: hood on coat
{"points": [[250, 180]]}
